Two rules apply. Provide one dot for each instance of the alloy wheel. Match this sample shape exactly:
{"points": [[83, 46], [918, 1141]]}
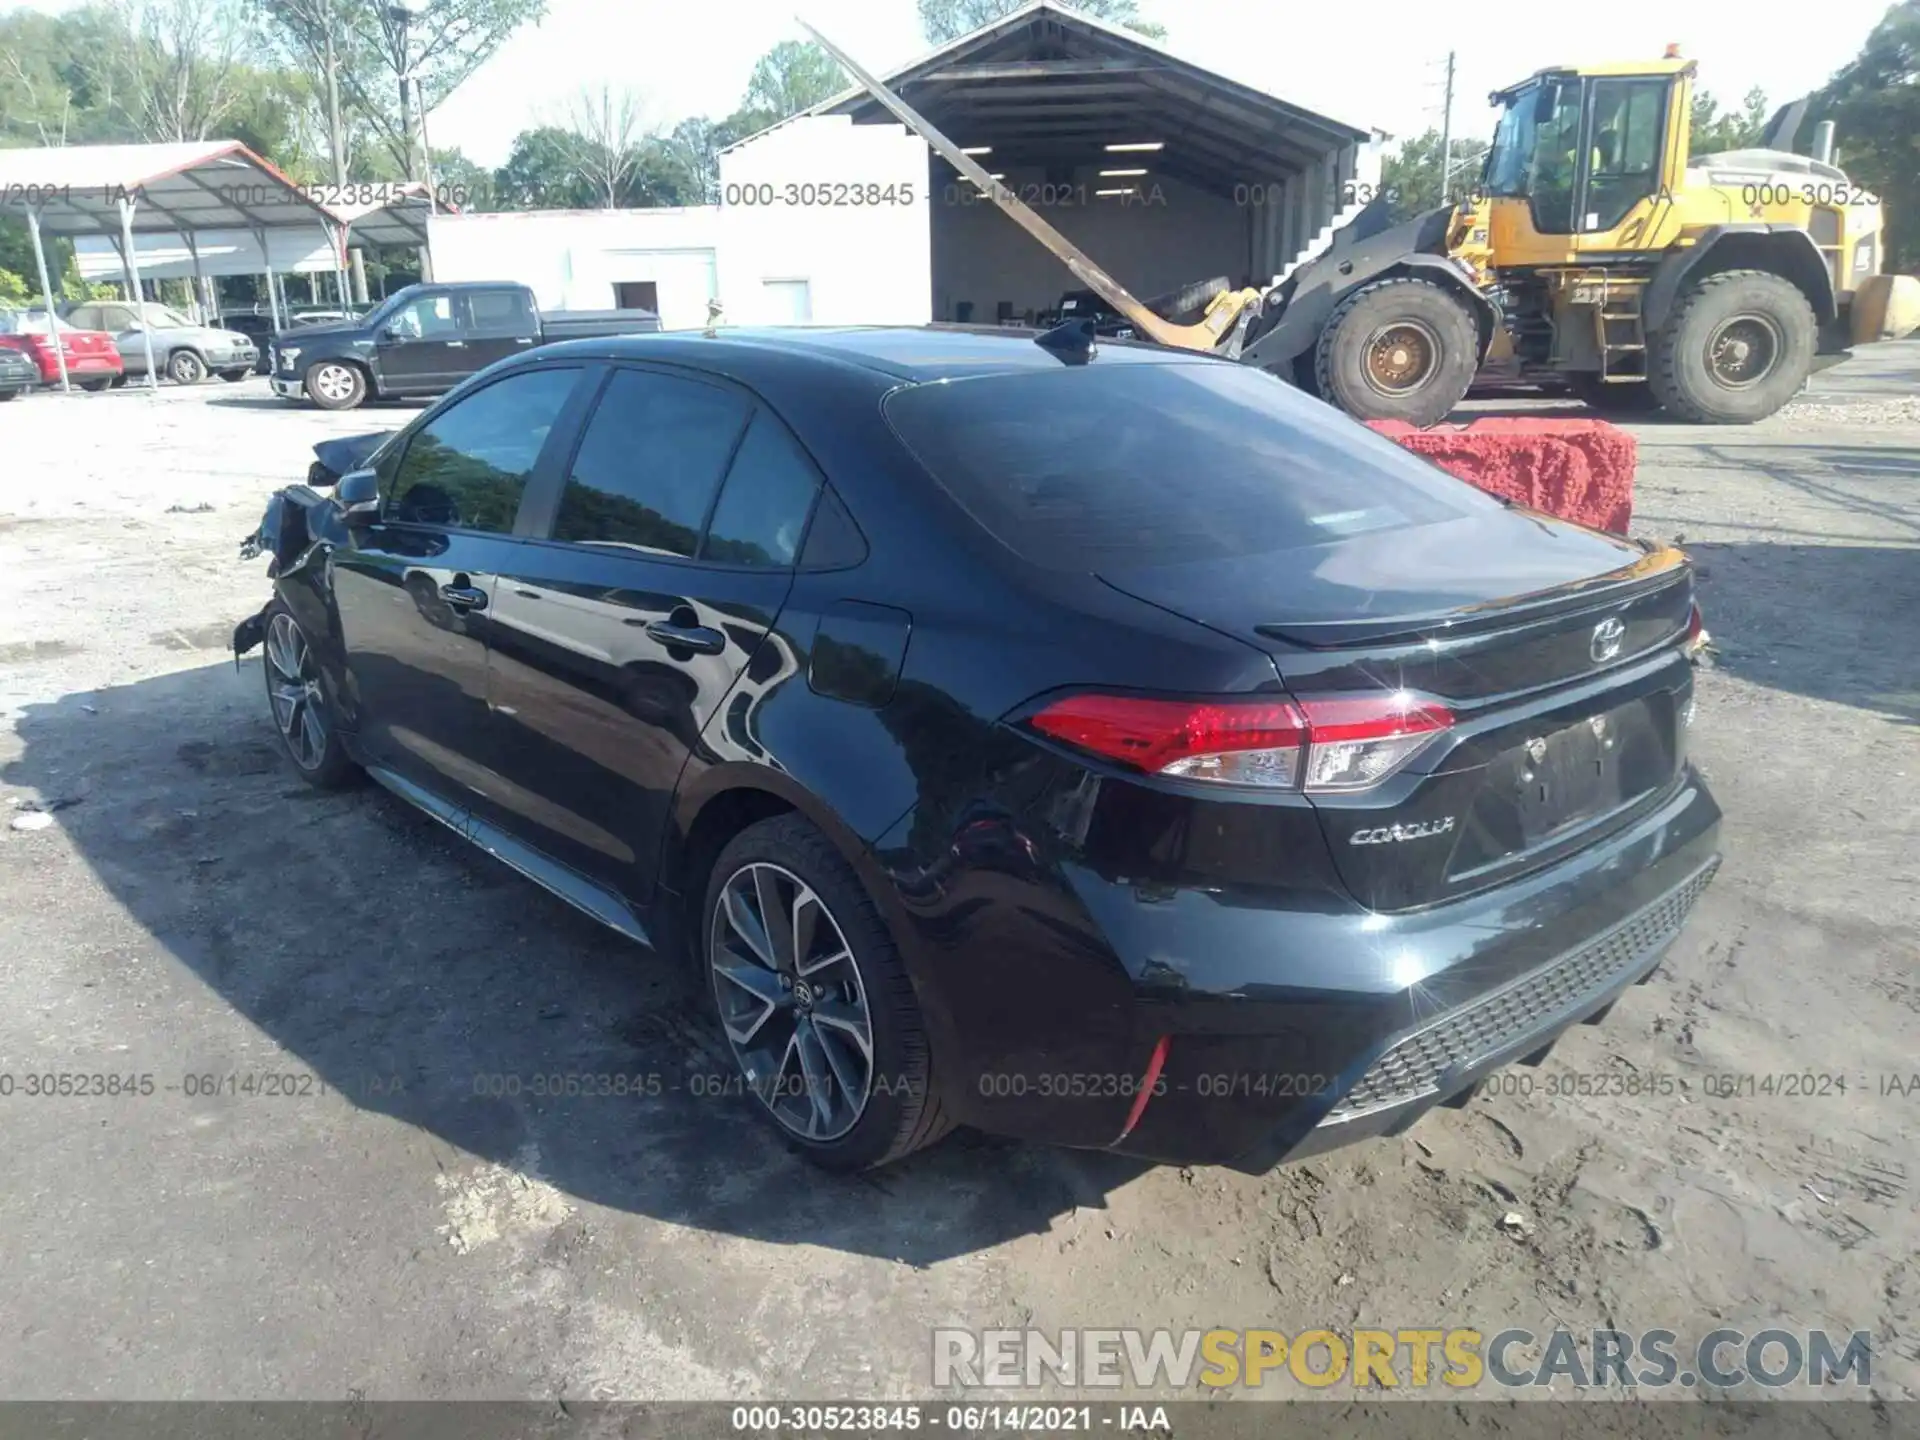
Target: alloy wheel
{"points": [[185, 368], [334, 382], [792, 1001], [293, 686]]}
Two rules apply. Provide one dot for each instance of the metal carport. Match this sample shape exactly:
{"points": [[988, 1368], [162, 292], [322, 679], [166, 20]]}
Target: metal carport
{"points": [[120, 191]]}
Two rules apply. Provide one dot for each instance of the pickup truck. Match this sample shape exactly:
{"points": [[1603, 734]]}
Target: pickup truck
{"points": [[426, 339]]}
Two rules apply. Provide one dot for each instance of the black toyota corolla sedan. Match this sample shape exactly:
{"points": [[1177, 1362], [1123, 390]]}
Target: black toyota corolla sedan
{"points": [[1112, 748]]}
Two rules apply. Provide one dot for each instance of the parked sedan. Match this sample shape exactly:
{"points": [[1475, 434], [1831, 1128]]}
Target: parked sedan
{"points": [[185, 352], [1116, 750], [18, 374], [92, 361]]}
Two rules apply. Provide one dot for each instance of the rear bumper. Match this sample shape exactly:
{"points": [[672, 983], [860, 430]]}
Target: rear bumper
{"points": [[1290, 1032]]}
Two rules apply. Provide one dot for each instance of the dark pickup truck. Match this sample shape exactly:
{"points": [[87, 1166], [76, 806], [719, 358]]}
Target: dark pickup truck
{"points": [[426, 339]]}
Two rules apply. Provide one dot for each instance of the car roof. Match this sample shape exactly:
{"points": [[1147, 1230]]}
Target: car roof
{"points": [[910, 353]]}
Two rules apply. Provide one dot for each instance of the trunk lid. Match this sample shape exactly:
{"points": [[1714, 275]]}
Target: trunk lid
{"points": [[1557, 648]]}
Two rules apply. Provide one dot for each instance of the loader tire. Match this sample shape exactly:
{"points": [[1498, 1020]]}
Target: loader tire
{"points": [[1737, 347], [1398, 349]]}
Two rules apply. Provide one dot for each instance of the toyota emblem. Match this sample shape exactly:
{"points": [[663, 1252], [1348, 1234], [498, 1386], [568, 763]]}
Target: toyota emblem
{"points": [[1606, 641]]}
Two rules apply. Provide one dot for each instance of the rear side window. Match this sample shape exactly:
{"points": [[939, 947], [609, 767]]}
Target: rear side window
{"points": [[763, 506], [501, 309], [1162, 464], [467, 467], [649, 463]]}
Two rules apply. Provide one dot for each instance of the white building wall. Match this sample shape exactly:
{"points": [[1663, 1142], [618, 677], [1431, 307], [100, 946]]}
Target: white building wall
{"points": [[794, 246], [1167, 236], [573, 259]]}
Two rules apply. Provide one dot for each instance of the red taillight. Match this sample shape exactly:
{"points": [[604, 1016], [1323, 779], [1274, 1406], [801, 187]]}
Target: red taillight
{"points": [[1696, 640], [1325, 743], [1187, 738]]}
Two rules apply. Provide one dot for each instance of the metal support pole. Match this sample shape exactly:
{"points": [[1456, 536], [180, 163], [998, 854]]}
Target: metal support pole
{"points": [[1446, 138], [130, 257], [199, 280], [46, 293]]}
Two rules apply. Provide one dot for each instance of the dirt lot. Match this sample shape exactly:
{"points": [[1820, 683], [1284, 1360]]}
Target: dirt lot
{"points": [[193, 911]]}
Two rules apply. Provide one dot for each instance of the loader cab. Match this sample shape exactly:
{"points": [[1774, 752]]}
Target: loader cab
{"points": [[1585, 163]]}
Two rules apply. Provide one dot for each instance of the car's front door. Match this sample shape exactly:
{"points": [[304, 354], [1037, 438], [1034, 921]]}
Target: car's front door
{"points": [[648, 608], [422, 346], [413, 592]]}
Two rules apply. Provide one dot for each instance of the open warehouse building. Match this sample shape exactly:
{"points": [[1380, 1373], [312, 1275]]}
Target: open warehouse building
{"points": [[1165, 173]]}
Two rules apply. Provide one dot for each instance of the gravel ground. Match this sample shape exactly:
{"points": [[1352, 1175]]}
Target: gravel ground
{"points": [[389, 1229]]}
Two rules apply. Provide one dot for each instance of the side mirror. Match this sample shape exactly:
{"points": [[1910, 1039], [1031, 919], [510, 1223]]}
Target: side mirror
{"points": [[388, 335], [358, 496]]}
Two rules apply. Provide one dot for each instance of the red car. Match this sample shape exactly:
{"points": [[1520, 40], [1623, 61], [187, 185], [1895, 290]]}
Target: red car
{"points": [[93, 360]]}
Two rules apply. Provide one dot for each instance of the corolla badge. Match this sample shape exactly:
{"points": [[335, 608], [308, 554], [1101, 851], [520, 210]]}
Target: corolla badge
{"points": [[1606, 641], [1393, 834]]}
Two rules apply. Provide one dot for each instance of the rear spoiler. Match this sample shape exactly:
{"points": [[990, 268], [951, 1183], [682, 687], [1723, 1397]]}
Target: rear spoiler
{"points": [[1655, 571]]}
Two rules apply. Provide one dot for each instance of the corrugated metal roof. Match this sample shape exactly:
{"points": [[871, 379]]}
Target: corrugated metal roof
{"points": [[1045, 82], [182, 187]]}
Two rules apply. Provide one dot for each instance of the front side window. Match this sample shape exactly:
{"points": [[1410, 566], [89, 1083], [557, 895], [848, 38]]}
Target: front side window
{"points": [[430, 317], [467, 467], [1536, 151], [649, 463]]}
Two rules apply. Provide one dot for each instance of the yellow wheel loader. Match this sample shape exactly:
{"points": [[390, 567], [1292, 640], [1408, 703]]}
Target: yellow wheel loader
{"points": [[1596, 252]]}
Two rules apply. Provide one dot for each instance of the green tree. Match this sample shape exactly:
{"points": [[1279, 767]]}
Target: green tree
{"points": [[539, 174], [1411, 175], [1712, 131], [467, 184], [1875, 106], [944, 20], [399, 58], [791, 77]]}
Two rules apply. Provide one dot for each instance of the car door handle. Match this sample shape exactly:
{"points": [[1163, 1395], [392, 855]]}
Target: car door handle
{"points": [[464, 597], [697, 638], [456, 344], [523, 340]]}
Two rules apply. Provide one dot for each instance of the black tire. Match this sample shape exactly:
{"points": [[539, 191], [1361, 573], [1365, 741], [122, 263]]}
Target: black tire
{"points": [[336, 385], [1633, 398], [325, 766], [902, 1111], [93, 387], [235, 376], [1737, 319], [1398, 349], [185, 367], [6, 395]]}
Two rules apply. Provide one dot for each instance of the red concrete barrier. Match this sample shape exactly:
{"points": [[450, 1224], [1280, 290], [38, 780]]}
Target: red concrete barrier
{"points": [[1580, 470]]}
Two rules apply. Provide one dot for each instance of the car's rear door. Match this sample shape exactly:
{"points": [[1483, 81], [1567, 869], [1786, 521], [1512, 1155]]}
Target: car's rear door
{"points": [[499, 323], [413, 592], [648, 606]]}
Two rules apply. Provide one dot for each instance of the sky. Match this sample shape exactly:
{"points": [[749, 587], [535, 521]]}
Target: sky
{"points": [[1380, 66]]}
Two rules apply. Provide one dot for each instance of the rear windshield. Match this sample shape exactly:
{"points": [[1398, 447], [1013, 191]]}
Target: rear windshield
{"points": [[1095, 468]]}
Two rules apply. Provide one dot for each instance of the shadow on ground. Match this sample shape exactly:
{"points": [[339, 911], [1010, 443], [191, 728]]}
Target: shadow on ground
{"points": [[423, 980], [1835, 622]]}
